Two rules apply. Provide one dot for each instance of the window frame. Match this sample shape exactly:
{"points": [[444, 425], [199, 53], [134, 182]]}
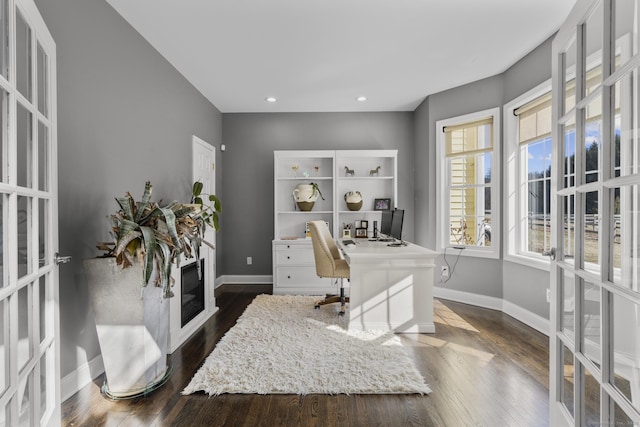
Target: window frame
{"points": [[514, 180], [442, 211]]}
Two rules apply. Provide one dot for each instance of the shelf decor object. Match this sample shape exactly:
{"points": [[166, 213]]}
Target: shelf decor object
{"points": [[306, 195], [353, 200]]}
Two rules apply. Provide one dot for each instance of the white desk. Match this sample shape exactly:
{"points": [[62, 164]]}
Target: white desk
{"points": [[391, 288]]}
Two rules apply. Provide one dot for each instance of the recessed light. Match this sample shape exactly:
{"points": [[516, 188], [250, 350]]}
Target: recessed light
{"points": [[270, 99], [361, 98]]}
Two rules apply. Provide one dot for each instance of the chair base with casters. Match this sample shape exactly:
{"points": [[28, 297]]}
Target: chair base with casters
{"points": [[333, 298], [329, 262]]}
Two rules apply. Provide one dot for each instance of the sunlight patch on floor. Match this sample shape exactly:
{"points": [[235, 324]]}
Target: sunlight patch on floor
{"points": [[443, 314], [425, 340]]}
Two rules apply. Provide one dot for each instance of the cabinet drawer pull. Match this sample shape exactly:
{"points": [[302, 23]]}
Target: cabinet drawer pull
{"points": [[288, 277], [288, 247], [288, 257]]}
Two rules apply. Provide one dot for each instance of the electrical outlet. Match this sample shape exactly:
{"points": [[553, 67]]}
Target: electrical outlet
{"points": [[548, 295], [249, 260], [444, 272]]}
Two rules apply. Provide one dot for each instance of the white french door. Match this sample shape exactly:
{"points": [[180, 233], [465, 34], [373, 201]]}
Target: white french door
{"points": [[29, 320], [595, 278], [203, 161]]}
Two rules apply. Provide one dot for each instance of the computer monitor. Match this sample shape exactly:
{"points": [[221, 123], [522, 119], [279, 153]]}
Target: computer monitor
{"points": [[396, 224], [385, 223]]}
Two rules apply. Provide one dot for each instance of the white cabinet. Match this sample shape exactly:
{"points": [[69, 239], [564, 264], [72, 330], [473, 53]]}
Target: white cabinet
{"points": [[294, 270], [374, 176]]}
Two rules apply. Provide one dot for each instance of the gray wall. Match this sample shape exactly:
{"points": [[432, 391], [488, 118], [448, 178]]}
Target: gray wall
{"points": [[516, 283], [248, 170], [125, 115], [525, 286], [477, 96]]}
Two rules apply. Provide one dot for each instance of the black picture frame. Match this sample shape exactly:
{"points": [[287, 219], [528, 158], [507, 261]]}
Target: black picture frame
{"points": [[361, 232], [382, 205]]}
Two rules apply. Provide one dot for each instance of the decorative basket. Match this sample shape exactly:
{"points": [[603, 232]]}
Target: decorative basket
{"points": [[354, 206], [306, 206]]}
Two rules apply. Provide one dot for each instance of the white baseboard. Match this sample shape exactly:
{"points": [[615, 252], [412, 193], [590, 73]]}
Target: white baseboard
{"points": [[530, 319], [266, 279], [83, 375], [468, 298], [533, 320]]}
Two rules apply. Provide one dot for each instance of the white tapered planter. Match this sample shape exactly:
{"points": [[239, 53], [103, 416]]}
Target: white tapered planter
{"points": [[133, 327]]}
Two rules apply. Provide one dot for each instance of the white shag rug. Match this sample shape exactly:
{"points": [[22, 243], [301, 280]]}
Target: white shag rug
{"points": [[282, 345]]}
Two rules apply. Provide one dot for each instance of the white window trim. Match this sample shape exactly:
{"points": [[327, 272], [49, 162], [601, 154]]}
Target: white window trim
{"points": [[514, 203], [442, 236]]}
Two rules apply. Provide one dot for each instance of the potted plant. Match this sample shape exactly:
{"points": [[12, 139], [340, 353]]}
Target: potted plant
{"points": [[128, 285]]}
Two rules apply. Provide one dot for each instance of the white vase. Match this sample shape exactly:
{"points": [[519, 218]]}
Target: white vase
{"points": [[305, 196], [132, 326]]}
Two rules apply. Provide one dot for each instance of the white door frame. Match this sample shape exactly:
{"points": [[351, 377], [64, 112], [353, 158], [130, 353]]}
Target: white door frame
{"points": [[29, 300]]}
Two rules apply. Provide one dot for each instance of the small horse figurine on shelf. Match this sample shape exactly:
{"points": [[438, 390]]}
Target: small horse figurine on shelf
{"points": [[348, 172], [375, 171]]}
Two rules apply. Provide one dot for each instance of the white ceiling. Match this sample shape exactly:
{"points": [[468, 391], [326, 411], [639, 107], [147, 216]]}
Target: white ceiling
{"points": [[319, 55]]}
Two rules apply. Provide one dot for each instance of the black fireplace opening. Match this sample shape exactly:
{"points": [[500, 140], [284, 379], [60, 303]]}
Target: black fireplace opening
{"points": [[192, 291]]}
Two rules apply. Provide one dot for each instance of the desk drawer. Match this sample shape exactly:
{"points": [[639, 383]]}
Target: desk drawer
{"points": [[295, 256], [289, 277]]}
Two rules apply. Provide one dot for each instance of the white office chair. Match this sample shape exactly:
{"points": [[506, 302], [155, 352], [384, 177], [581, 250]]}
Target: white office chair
{"points": [[329, 262]]}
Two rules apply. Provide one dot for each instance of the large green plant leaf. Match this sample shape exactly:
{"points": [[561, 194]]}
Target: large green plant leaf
{"points": [[144, 203], [125, 206], [150, 250], [165, 269]]}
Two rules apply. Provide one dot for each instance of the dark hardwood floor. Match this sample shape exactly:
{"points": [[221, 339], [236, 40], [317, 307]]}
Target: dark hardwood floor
{"points": [[484, 367]]}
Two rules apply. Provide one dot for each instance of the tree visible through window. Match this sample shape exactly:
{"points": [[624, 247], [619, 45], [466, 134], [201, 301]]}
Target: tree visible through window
{"points": [[534, 140]]}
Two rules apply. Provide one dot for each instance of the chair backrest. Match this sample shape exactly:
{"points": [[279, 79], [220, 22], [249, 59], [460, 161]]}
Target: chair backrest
{"points": [[325, 250]]}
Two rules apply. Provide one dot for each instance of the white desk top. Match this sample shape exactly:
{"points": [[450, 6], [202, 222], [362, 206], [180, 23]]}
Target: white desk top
{"points": [[376, 250]]}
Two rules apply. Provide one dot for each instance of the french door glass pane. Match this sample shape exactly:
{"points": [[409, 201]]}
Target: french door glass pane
{"points": [[3, 241], [24, 402], [591, 399], [568, 222], [566, 394], [43, 80], [626, 40], [569, 151], [4, 132], [43, 232], [593, 44], [25, 147], [570, 76], [568, 303], [591, 322], [620, 417], [44, 396], [625, 237], [4, 342], [44, 297], [43, 156], [4, 38], [591, 232], [626, 346], [25, 220], [625, 138], [23, 56], [25, 350], [593, 139]]}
